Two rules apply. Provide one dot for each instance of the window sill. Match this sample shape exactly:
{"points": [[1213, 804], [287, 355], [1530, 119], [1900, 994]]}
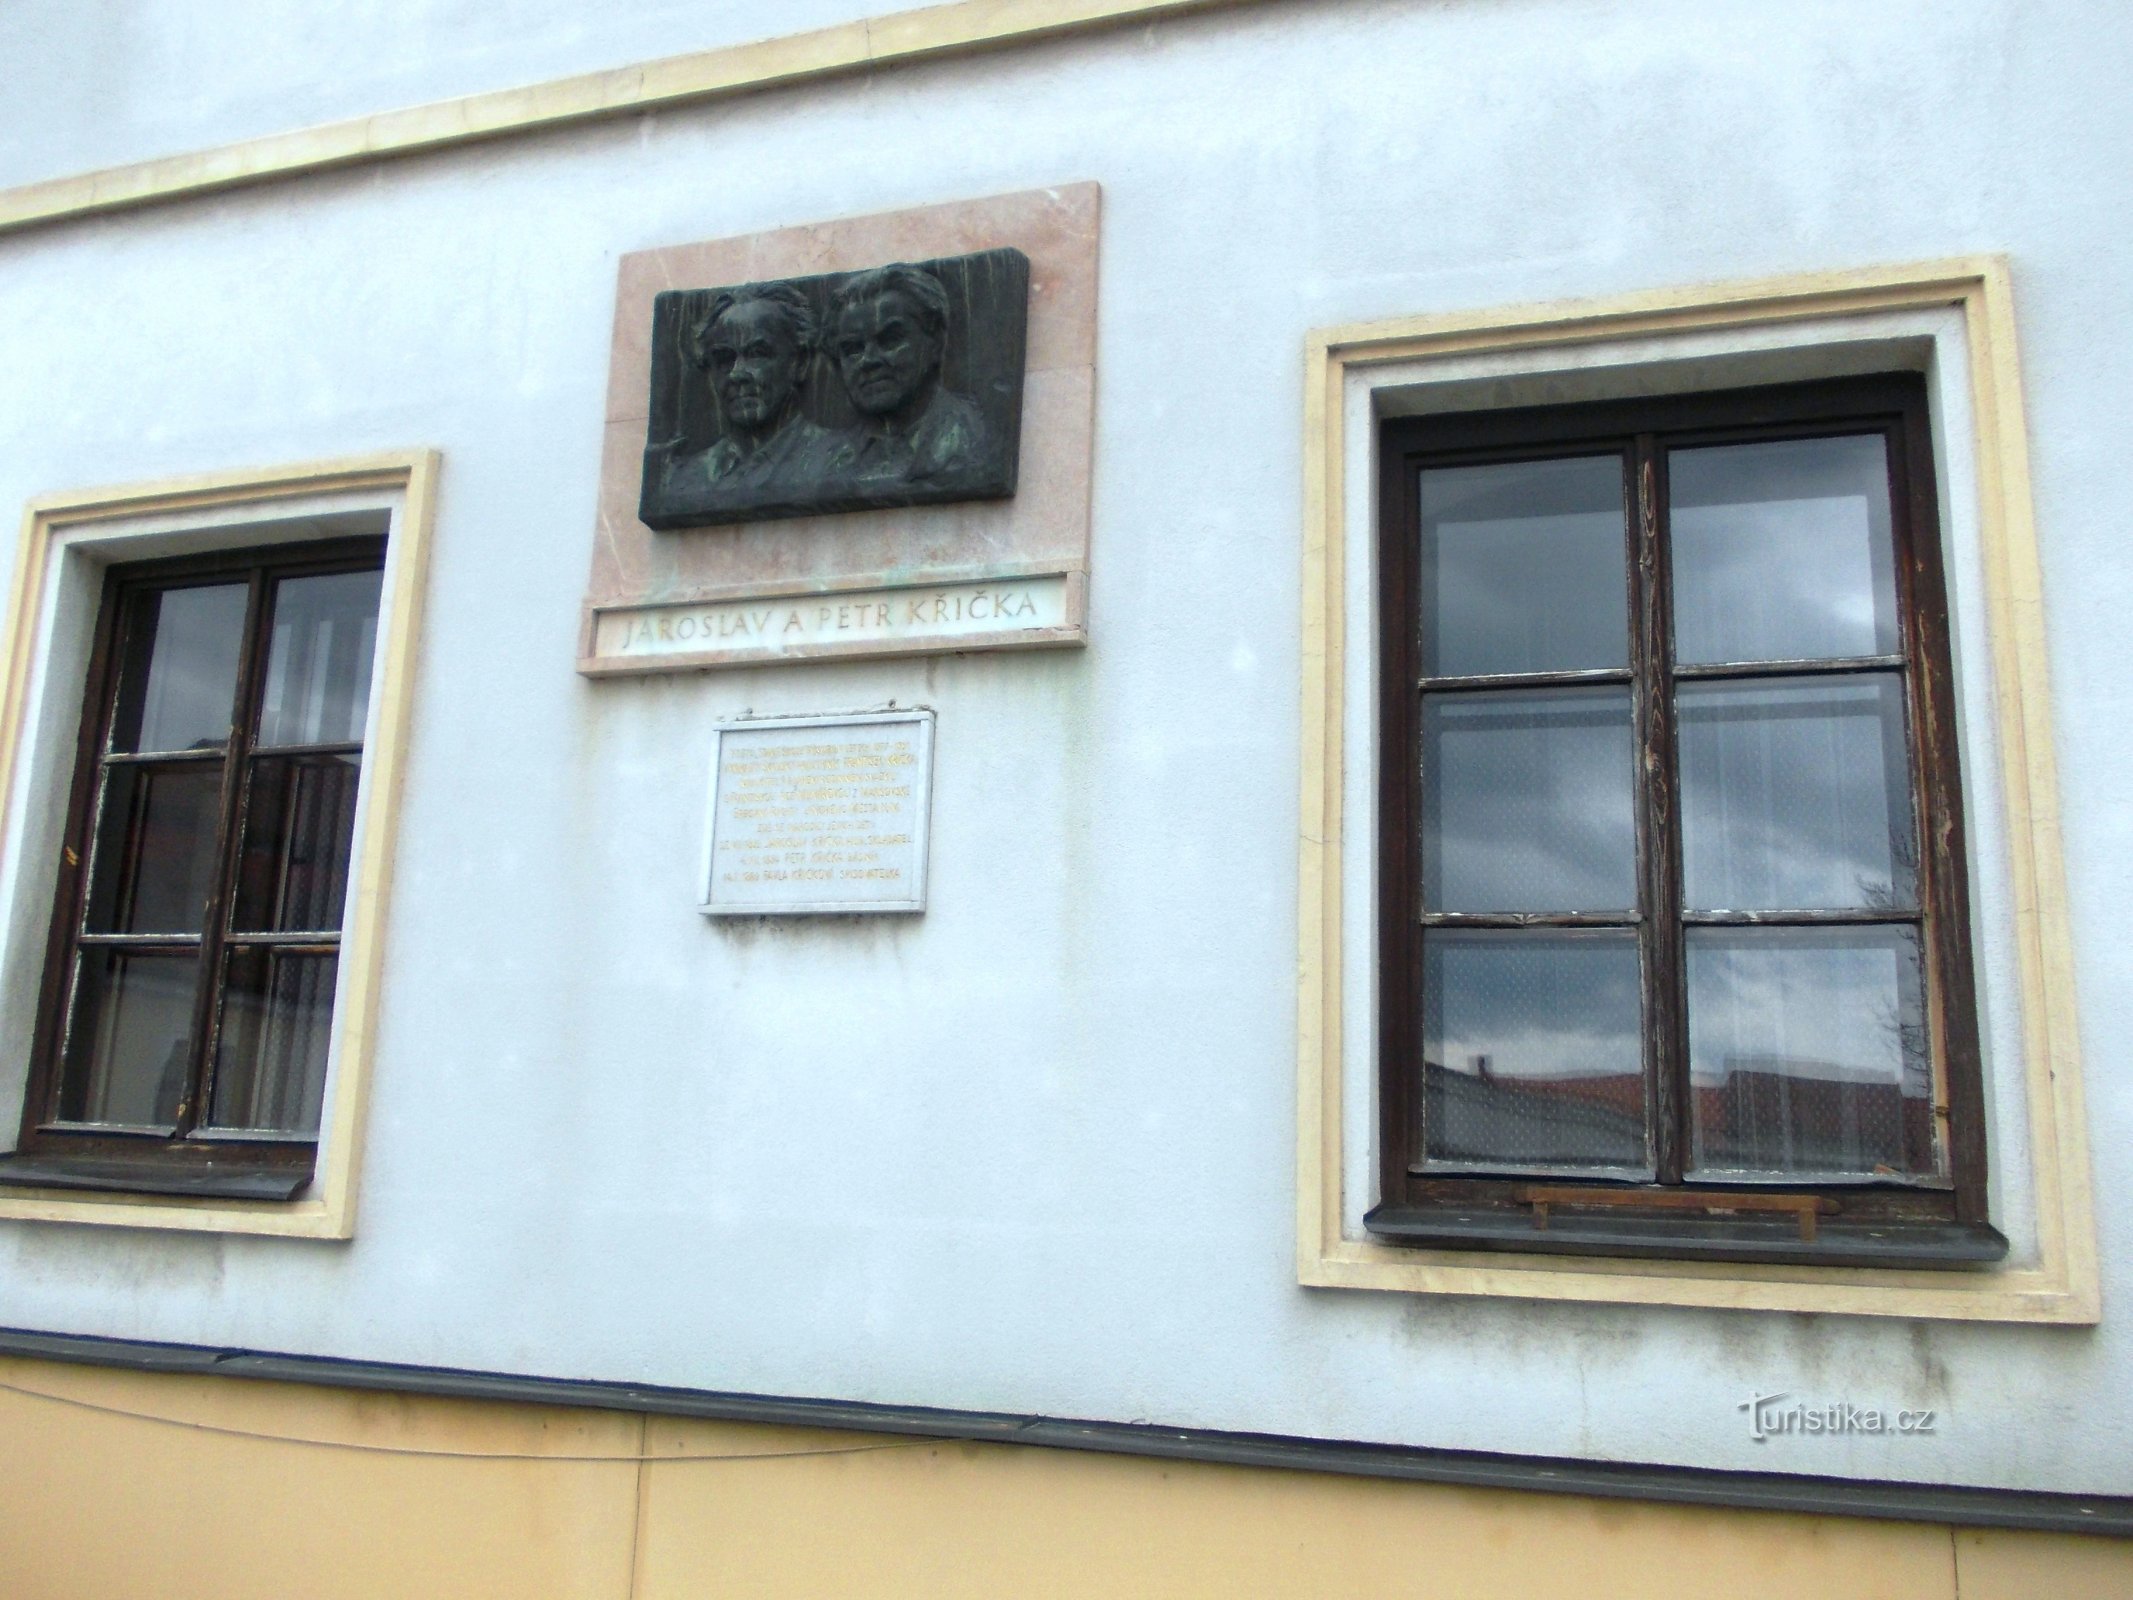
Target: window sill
{"points": [[222, 1180], [1931, 1245]]}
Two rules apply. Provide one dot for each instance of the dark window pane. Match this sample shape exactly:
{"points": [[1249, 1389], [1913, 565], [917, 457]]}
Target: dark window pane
{"points": [[180, 689], [270, 1058], [318, 668], [1782, 551], [1795, 795], [299, 825], [152, 866], [1530, 1052], [1522, 567], [1808, 1055], [1526, 801], [129, 1038]]}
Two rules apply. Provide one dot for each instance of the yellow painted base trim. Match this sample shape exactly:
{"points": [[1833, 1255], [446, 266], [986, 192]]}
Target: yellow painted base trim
{"points": [[132, 1483], [327, 1211], [962, 28], [2063, 1287]]}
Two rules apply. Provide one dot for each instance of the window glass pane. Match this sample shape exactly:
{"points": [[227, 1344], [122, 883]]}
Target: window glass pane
{"points": [[1522, 567], [1530, 1051], [1795, 795], [152, 865], [318, 668], [270, 1058], [1526, 801], [1782, 551], [129, 1038], [185, 699], [1808, 1055], [299, 825]]}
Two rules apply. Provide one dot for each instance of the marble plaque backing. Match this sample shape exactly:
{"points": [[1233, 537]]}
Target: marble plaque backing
{"points": [[908, 552], [819, 814]]}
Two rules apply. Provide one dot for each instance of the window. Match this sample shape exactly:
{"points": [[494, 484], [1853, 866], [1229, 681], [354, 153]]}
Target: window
{"points": [[1673, 940], [186, 1012]]}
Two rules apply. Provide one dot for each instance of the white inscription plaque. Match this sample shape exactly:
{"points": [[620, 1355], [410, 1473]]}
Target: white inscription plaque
{"points": [[819, 814]]}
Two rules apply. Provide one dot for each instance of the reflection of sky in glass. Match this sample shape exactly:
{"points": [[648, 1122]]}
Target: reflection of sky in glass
{"points": [[1795, 795], [192, 673], [1832, 1001], [1531, 1049], [1526, 801], [1522, 567], [1782, 551], [1808, 1049], [1537, 1005], [318, 667]]}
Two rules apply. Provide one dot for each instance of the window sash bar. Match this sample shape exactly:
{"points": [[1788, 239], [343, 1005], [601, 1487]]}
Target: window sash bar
{"points": [[212, 1133], [139, 1130], [1529, 919], [1569, 678], [1862, 917], [222, 904], [338, 747], [170, 943], [1663, 942], [1807, 667], [157, 758]]}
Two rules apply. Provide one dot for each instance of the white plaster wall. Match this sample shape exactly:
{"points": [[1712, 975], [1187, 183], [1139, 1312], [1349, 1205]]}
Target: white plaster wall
{"points": [[92, 83], [1034, 1151]]}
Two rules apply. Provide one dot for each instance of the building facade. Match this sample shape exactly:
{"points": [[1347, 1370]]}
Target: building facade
{"points": [[1233, 797]]}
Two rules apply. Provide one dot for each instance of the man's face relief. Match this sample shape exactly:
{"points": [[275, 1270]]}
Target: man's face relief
{"points": [[884, 353], [756, 365]]}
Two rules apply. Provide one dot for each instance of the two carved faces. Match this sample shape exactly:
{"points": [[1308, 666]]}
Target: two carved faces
{"points": [[882, 338]]}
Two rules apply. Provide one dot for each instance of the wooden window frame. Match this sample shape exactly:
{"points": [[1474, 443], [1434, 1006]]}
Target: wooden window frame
{"points": [[52, 1153], [1806, 1223]]}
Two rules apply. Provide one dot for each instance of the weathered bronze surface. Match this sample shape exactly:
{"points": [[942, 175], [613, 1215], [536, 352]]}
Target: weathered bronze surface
{"points": [[897, 386]]}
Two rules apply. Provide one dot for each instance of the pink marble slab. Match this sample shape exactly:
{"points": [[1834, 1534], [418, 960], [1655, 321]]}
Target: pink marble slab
{"points": [[1044, 528]]}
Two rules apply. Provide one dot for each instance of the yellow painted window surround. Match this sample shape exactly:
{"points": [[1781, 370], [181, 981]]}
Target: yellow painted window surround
{"points": [[67, 541], [1356, 374]]}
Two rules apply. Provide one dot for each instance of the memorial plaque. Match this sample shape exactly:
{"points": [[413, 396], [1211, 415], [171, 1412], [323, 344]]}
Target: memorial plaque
{"points": [[774, 628], [900, 385], [793, 468], [819, 814]]}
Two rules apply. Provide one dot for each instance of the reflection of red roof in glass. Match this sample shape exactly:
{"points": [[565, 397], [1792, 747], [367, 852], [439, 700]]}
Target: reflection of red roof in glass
{"points": [[1764, 1115]]}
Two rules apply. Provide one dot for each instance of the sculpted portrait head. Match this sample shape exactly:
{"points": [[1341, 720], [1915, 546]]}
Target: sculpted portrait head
{"points": [[887, 332], [755, 343], [896, 385]]}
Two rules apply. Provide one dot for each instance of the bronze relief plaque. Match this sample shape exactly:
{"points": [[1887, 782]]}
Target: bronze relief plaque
{"points": [[898, 385]]}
